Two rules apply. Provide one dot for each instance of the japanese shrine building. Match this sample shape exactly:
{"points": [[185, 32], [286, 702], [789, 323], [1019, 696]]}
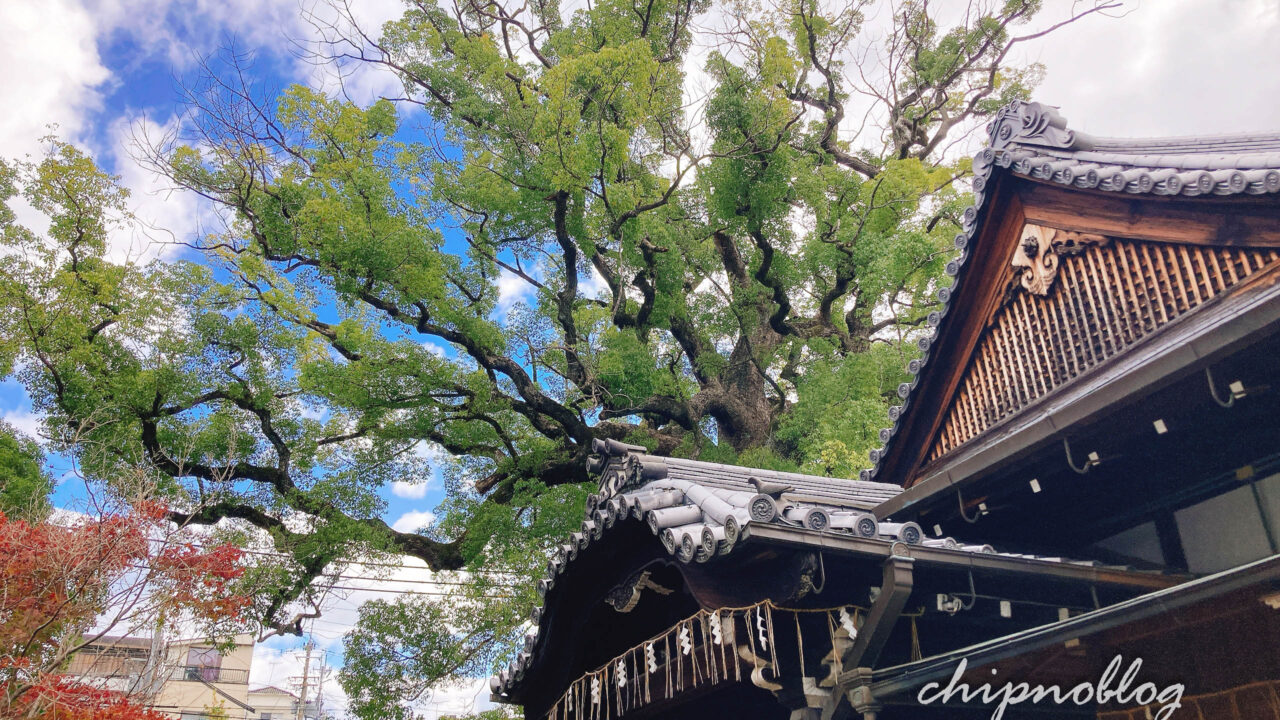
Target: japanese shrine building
{"points": [[1085, 466]]}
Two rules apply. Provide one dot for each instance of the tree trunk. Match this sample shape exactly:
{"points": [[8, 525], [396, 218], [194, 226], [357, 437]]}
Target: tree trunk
{"points": [[743, 411]]}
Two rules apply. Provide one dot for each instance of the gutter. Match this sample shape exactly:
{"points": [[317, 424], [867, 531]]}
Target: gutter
{"points": [[883, 616], [962, 559]]}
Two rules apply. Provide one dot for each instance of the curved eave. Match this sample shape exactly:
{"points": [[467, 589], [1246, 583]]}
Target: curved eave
{"points": [[705, 515]]}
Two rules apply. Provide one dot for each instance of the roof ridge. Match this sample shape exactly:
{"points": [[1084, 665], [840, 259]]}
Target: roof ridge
{"points": [[1117, 141], [769, 472]]}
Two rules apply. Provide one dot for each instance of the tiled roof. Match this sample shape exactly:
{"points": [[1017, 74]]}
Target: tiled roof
{"points": [[840, 492], [701, 510], [1033, 140], [273, 689]]}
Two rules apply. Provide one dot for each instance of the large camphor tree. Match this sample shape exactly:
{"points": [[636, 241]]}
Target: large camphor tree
{"points": [[724, 220]]}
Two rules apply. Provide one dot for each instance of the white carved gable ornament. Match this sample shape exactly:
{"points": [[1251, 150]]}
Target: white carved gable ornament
{"points": [[1036, 257]]}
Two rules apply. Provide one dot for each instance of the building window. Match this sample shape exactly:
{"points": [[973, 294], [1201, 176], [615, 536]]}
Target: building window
{"points": [[203, 663]]}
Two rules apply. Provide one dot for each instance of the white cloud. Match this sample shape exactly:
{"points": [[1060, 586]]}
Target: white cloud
{"points": [[319, 413], [179, 30], [461, 699], [168, 27], [414, 520], [416, 488], [594, 285], [1174, 67], [166, 215], [324, 28], [409, 490], [52, 72], [429, 451], [512, 290], [279, 662], [26, 422], [434, 348]]}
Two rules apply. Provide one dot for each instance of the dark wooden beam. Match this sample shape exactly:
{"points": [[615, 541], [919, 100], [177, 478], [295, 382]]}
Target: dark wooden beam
{"points": [[861, 657], [986, 563], [1226, 222], [1170, 541], [894, 591]]}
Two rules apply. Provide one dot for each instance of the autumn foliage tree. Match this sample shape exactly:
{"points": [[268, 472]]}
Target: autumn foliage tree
{"points": [[65, 583]]}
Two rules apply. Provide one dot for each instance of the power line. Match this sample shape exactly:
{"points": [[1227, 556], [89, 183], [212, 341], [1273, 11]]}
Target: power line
{"points": [[373, 579], [417, 582], [407, 592], [366, 563]]}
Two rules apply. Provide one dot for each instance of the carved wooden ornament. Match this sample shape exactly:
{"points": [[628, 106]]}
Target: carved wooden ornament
{"points": [[624, 597], [1035, 260]]}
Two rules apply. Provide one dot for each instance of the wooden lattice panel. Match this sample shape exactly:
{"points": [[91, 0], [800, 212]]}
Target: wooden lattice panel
{"points": [[1104, 300]]}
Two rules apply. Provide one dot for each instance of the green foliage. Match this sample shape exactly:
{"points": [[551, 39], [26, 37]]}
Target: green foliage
{"points": [[558, 248], [403, 647], [217, 710], [838, 411], [24, 485]]}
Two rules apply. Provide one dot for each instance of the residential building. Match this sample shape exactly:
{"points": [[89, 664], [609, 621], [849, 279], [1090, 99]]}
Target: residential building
{"points": [[273, 703], [185, 679]]}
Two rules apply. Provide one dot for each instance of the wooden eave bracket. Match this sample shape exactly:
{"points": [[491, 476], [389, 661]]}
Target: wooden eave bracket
{"points": [[885, 611], [896, 588]]}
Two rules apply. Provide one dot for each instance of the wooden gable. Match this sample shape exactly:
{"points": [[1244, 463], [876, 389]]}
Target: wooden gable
{"points": [[1067, 285], [1076, 300]]}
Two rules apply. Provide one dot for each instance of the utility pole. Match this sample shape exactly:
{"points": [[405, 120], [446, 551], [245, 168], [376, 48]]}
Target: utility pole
{"points": [[320, 678], [150, 679], [306, 671]]}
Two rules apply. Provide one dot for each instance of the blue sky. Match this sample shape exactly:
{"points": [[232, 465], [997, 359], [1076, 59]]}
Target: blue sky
{"points": [[111, 69], [103, 69]]}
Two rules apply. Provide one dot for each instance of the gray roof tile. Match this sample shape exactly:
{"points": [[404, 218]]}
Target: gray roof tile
{"points": [[699, 510]]}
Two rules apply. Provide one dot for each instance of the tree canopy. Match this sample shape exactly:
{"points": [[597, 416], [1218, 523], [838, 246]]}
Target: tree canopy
{"points": [[24, 485], [66, 584], [724, 220]]}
